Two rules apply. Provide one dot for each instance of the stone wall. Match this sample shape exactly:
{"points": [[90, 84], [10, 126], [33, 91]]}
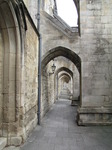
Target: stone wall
{"points": [[96, 29], [1, 81], [47, 98], [32, 8], [31, 79], [44, 93], [49, 6], [76, 80], [9, 93], [18, 75]]}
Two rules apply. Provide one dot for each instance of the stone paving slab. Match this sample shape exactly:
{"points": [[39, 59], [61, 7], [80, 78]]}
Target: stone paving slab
{"points": [[12, 148], [59, 131]]}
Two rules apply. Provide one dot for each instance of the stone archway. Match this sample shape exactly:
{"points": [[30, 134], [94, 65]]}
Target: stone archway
{"points": [[10, 93], [67, 71], [64, 86], [60, 51], [18, 60]]}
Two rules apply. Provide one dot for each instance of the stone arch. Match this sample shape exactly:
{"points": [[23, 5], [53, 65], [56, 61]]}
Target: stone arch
{"points": [[64, 69], [62, 51], [64, 74], [63, 79], [76, 4], [67, 70], [65, 52], [11, 75]]}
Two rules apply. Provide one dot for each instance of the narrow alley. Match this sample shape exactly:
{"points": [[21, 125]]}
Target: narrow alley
{"points": [[59, 131]]}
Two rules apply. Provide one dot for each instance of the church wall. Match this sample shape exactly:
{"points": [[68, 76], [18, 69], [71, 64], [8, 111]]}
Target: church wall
{"points": [[9, 45], [32, 8], [18, 76], [31, 79], [44, 93], [96, 88]]}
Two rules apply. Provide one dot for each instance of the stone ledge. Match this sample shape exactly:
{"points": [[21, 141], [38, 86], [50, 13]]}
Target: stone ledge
{"points": [[91, 110], [11, 148], [94, 123], [61, 25], [94, 116]]}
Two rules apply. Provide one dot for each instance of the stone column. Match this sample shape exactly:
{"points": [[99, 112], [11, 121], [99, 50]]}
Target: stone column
{"points": [[76, 86]]}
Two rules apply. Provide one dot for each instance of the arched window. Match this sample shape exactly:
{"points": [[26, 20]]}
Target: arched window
{"points": [[68, 12]]}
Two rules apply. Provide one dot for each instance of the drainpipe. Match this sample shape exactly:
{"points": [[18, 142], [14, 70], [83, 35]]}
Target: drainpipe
{"points": [[57, 86], [39, 65]]}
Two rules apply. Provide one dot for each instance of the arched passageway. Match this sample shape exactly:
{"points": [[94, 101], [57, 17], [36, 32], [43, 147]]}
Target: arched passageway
{"points": [[62, 51], [50, 83], [66, 80], [58, 88], [64, 86]]}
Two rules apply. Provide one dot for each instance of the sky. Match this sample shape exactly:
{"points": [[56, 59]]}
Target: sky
{"points": [[67, 11]]}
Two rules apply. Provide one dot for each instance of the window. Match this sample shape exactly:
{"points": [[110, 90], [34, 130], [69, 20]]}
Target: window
{"points": [[68, 12]]}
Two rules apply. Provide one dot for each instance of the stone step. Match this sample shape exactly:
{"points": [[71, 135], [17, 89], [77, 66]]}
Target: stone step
{"points": [[3, 143], [64, 96], [12, 148]]}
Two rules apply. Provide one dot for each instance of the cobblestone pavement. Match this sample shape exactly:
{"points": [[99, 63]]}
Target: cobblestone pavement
{"points": [[59, 131]]}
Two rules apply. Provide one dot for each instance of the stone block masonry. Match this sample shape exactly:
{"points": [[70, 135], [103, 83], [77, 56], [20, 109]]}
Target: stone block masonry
{"points": [[30, 80], [18, 74], [1, 79]]}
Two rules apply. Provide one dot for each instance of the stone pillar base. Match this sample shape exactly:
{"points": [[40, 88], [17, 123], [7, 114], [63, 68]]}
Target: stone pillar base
{"points": [[74, 102], [94, 116]]}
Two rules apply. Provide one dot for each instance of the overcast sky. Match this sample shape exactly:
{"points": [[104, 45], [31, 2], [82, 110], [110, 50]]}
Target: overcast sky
{"points": [[67, 11]]}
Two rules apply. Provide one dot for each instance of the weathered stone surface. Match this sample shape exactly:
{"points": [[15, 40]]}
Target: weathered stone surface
{"points": [[1, 80], [29, 118], [3, 143], [18, 59], [12, 148], [16, 141]]}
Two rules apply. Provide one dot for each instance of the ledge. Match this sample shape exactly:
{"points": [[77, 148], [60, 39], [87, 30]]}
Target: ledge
{"points": [[94, 116], [94, 123], [95, 110]]}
